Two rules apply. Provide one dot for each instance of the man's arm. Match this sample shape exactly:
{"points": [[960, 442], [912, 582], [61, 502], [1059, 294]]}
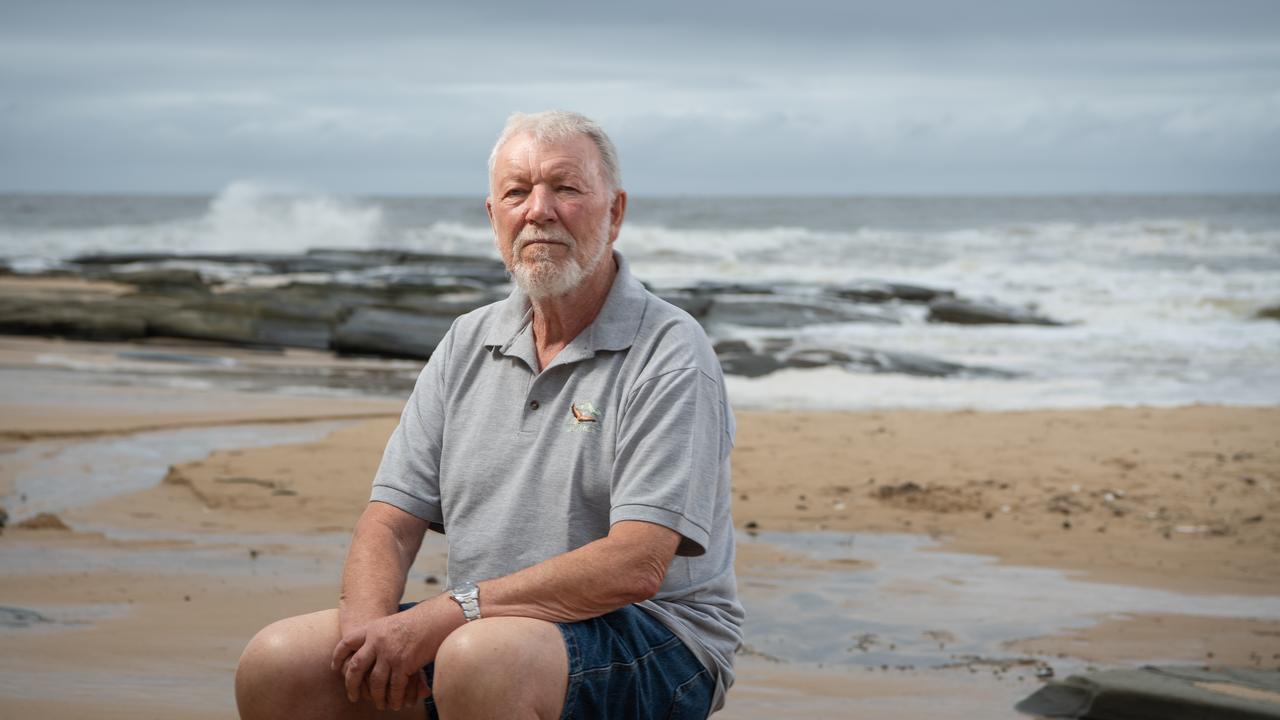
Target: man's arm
{"points": [[625, 567], [383, 547]]}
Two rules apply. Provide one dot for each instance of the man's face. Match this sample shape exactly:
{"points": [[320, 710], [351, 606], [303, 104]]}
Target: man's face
{"points": [[554, 217]]}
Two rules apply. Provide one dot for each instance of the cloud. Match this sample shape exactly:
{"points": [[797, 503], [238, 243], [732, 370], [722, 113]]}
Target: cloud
{"points": [[836, 97]]}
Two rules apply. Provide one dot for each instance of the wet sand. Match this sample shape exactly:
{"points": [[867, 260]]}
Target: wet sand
{"points": [[148, 598], [1183, 498]]}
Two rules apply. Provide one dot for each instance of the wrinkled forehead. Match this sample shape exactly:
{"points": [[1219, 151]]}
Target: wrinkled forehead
{"points": [[523, 154]]}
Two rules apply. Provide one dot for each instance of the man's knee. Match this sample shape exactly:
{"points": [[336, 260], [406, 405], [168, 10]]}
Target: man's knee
{"points": [[510, 661], [502, 641], [278, 646], [286, 658]]}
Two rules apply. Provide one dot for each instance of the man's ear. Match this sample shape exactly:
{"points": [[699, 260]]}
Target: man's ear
{"points": [[488, 208], [617, 210]]}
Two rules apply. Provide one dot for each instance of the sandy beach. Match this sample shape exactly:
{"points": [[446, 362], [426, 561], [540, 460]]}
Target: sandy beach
{"points": [[137, 603]]}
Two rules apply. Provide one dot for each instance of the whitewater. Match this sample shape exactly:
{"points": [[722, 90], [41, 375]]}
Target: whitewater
{"points": [[1160, 295]]}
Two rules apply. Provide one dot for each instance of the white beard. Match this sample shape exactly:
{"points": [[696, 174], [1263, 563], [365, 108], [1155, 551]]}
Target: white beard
{"points": [[541, 276]]}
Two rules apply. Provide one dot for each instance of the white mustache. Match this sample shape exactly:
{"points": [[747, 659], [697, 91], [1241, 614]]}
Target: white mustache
{"points": [[532, 234]]}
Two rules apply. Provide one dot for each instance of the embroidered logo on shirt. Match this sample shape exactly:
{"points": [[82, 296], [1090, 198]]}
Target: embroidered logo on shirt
{"points": [[583, 417]]}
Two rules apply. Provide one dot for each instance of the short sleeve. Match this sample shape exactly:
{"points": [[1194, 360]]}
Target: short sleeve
{"points": [[672, 445], [409, 475]]}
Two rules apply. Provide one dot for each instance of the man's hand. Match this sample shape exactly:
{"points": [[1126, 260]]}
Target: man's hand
{"points": [[383, 659]]}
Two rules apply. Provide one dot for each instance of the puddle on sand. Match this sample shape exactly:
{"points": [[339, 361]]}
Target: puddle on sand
{"points": [[62, 616], [51, 476], [57, 475], [291, 559], [913, 607]]}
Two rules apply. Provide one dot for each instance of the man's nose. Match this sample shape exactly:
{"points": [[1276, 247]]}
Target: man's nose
{"points": [[541, 207]]}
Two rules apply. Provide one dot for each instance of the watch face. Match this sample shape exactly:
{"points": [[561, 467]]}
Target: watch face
{"points": [[466, 589]]}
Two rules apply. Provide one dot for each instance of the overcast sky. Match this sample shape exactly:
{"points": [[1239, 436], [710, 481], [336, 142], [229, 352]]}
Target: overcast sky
{"points": [[711, 97]]}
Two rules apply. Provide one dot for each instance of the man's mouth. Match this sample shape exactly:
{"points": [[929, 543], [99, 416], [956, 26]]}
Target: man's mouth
{"points": [[522, 244]]}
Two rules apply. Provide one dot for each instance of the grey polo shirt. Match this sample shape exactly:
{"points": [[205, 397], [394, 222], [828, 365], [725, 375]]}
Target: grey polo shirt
{"points": [[629, 422]]}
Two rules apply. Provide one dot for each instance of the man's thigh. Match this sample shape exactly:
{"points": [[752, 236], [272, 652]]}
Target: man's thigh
{"points": [[628, 664], [500, 667], [284, 672], [623, 664]]}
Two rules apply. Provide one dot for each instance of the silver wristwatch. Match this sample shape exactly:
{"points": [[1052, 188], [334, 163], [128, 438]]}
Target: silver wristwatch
{"points": [[467, 595]]}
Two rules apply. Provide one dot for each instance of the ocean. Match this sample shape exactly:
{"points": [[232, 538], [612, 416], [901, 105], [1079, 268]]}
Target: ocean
{"points": [[1158, 294]]}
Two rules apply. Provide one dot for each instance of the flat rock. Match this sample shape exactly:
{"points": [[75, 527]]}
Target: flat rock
{"points": [[16, 617], [1160, 693], [762, 357], [485, 270], [717, 287], [159, 278], [103, 321], [391, 332], [43, 521], [969, 312], [692, 303], [785, 312], [871, 291], [740, 358]]}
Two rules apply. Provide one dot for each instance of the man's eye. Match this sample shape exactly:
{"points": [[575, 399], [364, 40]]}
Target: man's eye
{"points": [[567, 188], [515, 192]]}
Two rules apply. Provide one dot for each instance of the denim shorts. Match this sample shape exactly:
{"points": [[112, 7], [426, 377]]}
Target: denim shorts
{"points": [[626, 664]]}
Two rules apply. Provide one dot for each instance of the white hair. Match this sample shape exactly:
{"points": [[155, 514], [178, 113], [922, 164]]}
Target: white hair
{"points": [[556, 125]]}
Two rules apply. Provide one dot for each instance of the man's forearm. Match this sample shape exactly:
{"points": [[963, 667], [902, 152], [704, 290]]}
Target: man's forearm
{"points": [[383, 547], [624, 568]]}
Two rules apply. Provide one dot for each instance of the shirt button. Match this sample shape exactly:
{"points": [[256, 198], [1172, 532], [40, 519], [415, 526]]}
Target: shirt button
{"points": [[533, 405]]}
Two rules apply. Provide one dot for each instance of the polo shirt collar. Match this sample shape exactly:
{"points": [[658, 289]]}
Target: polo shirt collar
{"points": [[615, 327]]}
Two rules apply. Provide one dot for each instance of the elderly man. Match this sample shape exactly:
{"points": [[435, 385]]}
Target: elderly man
{"points": [[572, 441]]}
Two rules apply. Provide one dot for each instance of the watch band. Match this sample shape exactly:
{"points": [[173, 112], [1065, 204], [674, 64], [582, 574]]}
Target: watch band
{"points": [[467, 595]]}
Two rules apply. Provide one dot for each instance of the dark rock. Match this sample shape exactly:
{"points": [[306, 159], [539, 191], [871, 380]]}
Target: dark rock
{"points": [[328, 303], [967, 312], [923, 365], [206, 323], [750, 365], [886, 492], [785, 312], [486, 270], [449, 306], [713, 287], [279, 331], [159, 278], [245, 319], [816, 357], [43, 521], [1269, 313], [1158, 692], [387, 331], [882, 292], [267, 261], [858, 359], [738, 357], [694, 304], [104, 321], [16, 617], [1065, 504], [761, 357], [173, 357]]}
